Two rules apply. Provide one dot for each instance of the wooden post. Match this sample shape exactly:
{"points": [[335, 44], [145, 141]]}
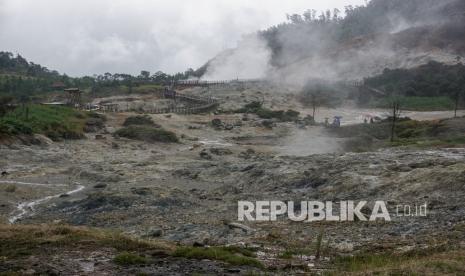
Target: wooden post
{"points": [[395, 110], [457, 96]]}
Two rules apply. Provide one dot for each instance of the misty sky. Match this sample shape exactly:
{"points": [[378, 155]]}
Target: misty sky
{"points": [[88, 37]]}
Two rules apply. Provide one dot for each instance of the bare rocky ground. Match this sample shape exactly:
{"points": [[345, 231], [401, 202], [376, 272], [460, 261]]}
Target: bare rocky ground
{"points": [[187, 192]]}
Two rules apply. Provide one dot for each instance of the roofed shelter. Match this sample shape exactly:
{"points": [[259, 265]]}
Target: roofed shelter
{"points": [[74, 97]]}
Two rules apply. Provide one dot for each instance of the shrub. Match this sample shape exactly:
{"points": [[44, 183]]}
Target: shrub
{"points": [[253, 106], [292, 113], [139, 120], [94, 122], [93, 114], [265, 113], [10, 188], [148, 134]]}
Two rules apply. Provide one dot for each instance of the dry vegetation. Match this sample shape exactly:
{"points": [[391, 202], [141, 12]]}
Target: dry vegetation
{"points": [[19, 242], [427, 262]]}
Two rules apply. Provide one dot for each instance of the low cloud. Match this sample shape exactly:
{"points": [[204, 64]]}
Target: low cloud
{"points": [[96, 36]]}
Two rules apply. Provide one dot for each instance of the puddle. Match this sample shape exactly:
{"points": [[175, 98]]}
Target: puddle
{"points": [[217, 143]]}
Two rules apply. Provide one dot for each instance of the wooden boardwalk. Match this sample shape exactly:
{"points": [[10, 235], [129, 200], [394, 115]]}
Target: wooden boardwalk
{"points": [[194, 104], [209, 83]]}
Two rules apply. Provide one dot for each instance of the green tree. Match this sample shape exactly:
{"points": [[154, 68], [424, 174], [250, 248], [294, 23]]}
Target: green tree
{"points": [[4, 102], [145, 75], [315, 95]]}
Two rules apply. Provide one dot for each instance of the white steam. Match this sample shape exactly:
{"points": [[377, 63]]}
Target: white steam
{"points": [[250, 60], [307, 52]]}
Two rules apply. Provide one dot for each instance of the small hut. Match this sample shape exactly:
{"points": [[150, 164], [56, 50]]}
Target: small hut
{"points": [[73, 97]]}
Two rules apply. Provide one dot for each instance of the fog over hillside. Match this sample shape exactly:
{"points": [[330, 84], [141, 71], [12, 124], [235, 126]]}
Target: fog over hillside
{"points": [[350, 44]]}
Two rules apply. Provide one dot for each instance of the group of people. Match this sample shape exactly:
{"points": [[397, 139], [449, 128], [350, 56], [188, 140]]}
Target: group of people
{"points": [[365, 120], [336, 121]]}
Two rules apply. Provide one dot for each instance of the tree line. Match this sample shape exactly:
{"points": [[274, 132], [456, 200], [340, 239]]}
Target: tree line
{"points": [[21, 79], [430, 80]]}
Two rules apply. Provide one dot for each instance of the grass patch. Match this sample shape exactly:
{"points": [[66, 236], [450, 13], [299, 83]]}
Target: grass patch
{"points": [[23, 240], [10, 273], [240, 250], [56, 122], [419, 103], [455, 267], [146, 88], [127, 258], [231, 255], [365, 262], [454, 141], [429, 143], [148, 134], [287, 255]]}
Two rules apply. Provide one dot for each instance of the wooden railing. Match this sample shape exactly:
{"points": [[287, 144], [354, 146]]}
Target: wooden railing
{"points": [[194, 104], [208, 83]]}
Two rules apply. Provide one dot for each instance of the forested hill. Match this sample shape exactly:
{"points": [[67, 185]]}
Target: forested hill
{"points": [[314, 32], [17, 65], [24, 80], [353, 43]]}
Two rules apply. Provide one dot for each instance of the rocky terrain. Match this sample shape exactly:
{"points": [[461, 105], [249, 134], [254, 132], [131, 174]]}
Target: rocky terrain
{"points": [[186, 193]]}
